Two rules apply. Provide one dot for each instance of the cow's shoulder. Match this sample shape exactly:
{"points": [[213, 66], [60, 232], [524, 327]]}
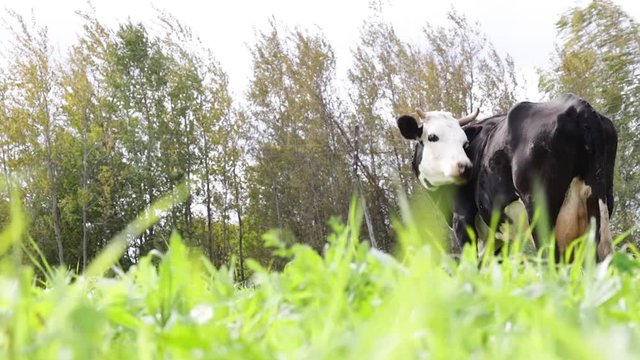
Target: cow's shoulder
{"points": [[531, 121], [576, 116], [526, 111]]}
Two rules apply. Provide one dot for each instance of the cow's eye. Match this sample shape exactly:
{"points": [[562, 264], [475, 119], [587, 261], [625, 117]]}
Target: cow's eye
{"points": [[433, 137], [466, 144]]}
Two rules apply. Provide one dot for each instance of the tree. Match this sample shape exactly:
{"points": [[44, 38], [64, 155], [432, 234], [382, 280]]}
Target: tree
{"points": [[598, 58], [457, 70], [378, 81], [138, 82], [82, 97], [33, 106], [201, 101], [300, 174], [465, 72]]}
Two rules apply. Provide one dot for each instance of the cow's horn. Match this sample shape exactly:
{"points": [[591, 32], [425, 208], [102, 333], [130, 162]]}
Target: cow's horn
{"points": [[469, 118], [421, 113]]}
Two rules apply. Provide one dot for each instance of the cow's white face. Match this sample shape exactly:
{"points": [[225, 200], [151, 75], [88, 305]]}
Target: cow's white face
{"points": [[439, 157]]}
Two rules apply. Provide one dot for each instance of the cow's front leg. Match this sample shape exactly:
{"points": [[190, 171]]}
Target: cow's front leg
{"points": [[464, 213]]}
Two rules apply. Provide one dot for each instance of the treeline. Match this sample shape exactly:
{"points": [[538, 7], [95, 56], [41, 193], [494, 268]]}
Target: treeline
{"points": [[96, 136]]}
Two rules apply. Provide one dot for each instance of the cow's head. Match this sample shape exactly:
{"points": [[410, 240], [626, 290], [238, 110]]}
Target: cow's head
{"points": [[439, 157]]}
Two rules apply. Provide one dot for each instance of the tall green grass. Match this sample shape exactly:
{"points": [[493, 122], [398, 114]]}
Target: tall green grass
{"points": [[350, 302]]}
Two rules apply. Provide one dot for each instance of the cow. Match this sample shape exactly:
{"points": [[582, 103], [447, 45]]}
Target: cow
{"points": [[563, 147]]}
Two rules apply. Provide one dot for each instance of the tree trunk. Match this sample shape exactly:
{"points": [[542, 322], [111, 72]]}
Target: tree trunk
{"points": [[5, 166], [84, 186], [55, 216], [240, 232], [358, 188], [367, 217], [209, 215], [277, 198], [188, 231], [147, 159], [225, 213]]}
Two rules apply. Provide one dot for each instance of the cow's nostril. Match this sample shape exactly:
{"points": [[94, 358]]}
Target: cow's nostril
{"points": [[464, 168]]}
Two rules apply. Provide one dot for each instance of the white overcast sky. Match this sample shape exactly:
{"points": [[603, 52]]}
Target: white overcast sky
{"points": [[524, 29]]}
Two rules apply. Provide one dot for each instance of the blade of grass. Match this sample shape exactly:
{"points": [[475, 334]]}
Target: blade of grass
{"points": [[147, 218]]}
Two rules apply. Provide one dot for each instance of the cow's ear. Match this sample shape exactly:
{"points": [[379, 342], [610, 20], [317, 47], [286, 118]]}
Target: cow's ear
{"points": [[471, 132], [409, 128]]}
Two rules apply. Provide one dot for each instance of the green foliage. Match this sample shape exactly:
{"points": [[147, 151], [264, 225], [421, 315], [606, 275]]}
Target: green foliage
{"points": [[97, 137], [300, 170], [351, 302]]}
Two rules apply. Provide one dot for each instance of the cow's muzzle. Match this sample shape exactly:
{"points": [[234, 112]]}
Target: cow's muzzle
{"points": [[464, 172]]}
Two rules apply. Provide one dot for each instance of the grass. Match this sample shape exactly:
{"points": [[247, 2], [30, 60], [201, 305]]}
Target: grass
{"points": [[350, 302]]}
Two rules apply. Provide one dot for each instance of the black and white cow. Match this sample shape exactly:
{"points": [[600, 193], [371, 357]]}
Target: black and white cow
{"points": [[564, 145]]}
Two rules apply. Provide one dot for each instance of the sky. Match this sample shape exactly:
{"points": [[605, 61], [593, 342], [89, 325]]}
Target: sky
{"points": [[523, 29]]}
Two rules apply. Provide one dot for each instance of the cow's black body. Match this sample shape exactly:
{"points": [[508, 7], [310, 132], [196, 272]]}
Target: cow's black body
{"points": [[550, 143]]}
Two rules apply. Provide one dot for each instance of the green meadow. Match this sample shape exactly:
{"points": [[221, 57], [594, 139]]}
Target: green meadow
{"points": [[350, 302]]}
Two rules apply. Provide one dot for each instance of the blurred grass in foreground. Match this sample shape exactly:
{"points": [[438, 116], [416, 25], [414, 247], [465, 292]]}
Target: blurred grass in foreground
{"points": [[350, 302]]}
